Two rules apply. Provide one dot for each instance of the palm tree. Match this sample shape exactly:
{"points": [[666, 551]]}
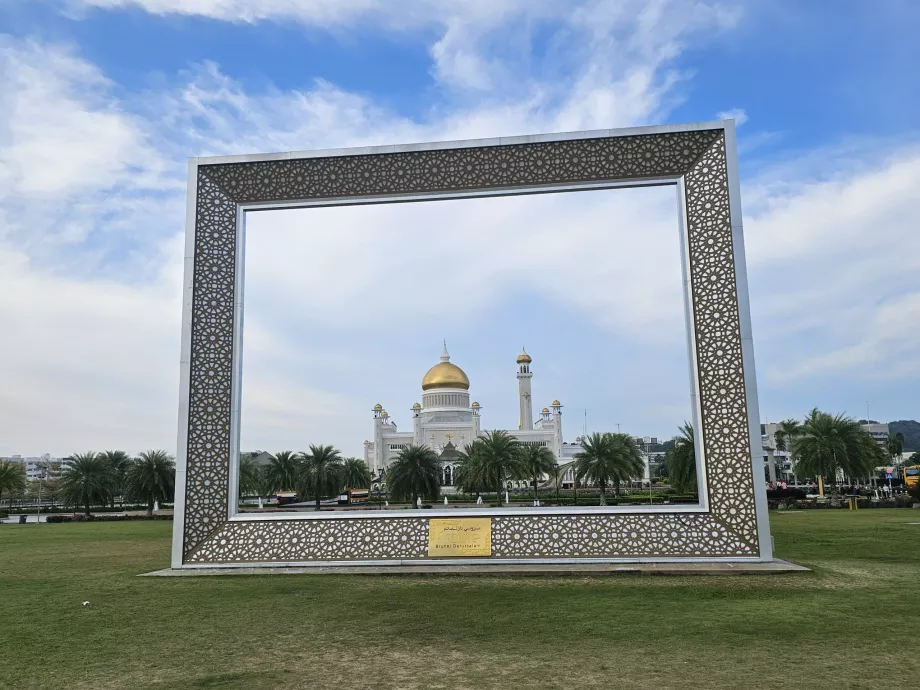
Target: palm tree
{"points": [[251, 475], [537, 461], [416, 472], [557, 472], [681, 460], [467, 476], [284, 471], [785, 434], [86, 480], [12, 479], [895, 446], [828, 444], [151, 478], [321, 472], [498, 458], [119, 461], [355, 473], [608, 459]]}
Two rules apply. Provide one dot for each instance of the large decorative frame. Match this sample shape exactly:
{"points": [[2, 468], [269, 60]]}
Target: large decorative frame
{"points": [[700, 160]]}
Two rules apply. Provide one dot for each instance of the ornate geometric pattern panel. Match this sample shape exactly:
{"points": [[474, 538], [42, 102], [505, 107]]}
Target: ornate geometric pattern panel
{"points": [[307, 540], [211, 364], [450, 170], [616, 536], [729, 529], [560, 536], [717, 324]]}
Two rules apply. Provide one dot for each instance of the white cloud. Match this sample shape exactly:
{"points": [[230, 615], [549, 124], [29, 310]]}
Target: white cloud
{"points": [[93, 246], [487, 45], [832, 255], [321, 12], [86, 362], [884, 342], [739, 115], [81, 179], [98, 239], [612, 255], [88, 261], [55, 107]]}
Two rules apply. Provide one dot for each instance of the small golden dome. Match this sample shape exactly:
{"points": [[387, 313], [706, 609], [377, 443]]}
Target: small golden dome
{"points": [[556, 403], [445, 375], [416, 406], [384, 413], [545, 410], [378, 406], [524, 358], [476, 404]]}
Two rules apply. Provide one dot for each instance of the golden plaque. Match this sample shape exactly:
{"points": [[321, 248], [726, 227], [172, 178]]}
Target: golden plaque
{"points": [[460, 537]]}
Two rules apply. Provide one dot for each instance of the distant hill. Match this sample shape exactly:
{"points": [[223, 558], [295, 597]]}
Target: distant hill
{"points": [[911, 431]]}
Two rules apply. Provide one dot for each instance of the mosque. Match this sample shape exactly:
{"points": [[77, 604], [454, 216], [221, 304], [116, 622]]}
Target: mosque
{"points": [[446, 421]]}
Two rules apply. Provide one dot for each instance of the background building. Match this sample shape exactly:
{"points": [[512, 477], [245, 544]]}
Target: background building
{"points": [[778, 463], [877, 431], [39, 467]]}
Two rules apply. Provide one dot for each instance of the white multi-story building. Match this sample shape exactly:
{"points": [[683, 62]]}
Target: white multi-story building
{"points": [[38, 467], [446, 421], [778, 463], [652, 455]]}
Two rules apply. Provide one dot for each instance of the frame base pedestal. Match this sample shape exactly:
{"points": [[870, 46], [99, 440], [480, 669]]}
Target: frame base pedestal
{"points": [[514, 570]]}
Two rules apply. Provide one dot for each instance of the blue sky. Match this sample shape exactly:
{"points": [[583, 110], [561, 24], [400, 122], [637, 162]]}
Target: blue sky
{"points": [[102, 101]]}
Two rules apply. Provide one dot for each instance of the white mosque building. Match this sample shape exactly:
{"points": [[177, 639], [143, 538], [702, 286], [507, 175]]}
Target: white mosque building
{"points": [[446, 421]]}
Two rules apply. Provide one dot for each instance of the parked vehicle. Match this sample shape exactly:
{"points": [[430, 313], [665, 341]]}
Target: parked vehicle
{"points": [[351, 497], [911, 476], [286, 497]]}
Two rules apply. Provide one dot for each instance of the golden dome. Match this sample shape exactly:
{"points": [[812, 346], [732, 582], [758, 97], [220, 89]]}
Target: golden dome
{"points": [[476, 404], [378, 406], [445, 375], [524, 358], [556, 403], [545, 410], [416, 406]]}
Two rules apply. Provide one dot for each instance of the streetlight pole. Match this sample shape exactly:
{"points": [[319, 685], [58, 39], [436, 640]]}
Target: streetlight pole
{"points": [[648, 461], [38, 510]]}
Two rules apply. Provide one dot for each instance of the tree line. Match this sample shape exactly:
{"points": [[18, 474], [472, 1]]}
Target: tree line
{"points": [[824, 446], [821, 445], [99, 478], [606, 460], [318, 472]]}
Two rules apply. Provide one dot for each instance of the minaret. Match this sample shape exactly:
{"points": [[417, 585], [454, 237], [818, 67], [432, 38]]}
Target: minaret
{"points": [[379, 420], [417, 425], [557, 428], [523, 376]]}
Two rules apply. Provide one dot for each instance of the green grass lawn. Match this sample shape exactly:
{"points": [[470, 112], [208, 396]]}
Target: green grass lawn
{"points": [[851, 623]]}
